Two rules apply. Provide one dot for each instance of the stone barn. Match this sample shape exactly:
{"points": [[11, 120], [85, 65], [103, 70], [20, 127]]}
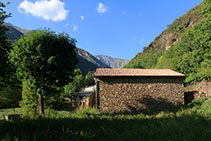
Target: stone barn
{"points": [[120, 90]]}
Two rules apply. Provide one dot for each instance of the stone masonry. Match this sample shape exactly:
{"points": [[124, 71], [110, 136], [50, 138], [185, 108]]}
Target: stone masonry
{"points": [[202, 89], [134, 93]]}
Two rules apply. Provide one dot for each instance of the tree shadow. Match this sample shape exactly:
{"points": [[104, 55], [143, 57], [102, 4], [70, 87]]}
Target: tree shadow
{"points": [[115, 126], [150, 105], [65, 106]]}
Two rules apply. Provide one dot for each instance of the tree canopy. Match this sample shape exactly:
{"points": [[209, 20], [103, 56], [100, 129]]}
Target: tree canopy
{"points": [[44, 57], [4, 45]]}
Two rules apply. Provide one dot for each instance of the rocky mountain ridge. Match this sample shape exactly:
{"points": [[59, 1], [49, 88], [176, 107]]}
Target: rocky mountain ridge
{"points": [[172, 34], [112, 62]]}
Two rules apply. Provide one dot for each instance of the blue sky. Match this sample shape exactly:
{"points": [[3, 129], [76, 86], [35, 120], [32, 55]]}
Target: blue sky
{"points": [[118, 28]]}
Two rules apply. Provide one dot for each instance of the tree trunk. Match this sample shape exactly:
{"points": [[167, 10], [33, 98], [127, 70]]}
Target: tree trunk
{"points": [[41, 105]]}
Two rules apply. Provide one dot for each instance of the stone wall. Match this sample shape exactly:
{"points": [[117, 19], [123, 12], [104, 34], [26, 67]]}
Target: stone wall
{"points": [[119, 94], [202, 89]]}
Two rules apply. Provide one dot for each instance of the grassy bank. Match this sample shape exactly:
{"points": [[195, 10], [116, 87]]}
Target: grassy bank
{"points": [[192, 122]]}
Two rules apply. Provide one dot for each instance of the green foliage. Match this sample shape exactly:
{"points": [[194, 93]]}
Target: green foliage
{"points": [[75, 86], [192, 54], [189, 54], [4, 47], [45, 56], [9, 111], [47, 59], [9, 89], [10, 96], [205, 70], [191, 122], [182, 23], [78, 82], [53, 98], [86, 113], [207, 8], [89, 79], [29, 103], [146, 60]]}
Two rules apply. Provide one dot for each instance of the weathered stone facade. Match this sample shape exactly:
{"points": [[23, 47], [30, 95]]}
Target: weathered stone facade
{"points": [[202, 89], [129, 93]]}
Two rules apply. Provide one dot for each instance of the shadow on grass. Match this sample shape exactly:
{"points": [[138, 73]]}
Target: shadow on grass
{"points": [[65, 106], [181, 128], [116, 126]]}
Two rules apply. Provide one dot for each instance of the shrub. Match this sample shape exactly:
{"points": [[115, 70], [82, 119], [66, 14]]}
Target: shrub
{"points": [[9, 97], [29, 103], [75, 86]]}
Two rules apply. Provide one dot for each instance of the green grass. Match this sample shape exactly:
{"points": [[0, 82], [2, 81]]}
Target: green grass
{"points": [[9, 111], [191, 122]]}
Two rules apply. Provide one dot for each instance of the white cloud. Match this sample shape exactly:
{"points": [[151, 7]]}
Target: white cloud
{"points": [[75, 27], [101, 8], [47, 9], [82, 18]]}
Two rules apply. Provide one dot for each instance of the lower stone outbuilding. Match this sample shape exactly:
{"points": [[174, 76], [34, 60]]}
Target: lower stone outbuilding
{"points": [[120, 90], [197, 90]]}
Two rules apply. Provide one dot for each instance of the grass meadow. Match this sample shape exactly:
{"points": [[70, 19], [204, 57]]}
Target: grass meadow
{"points": [[188, 123]]}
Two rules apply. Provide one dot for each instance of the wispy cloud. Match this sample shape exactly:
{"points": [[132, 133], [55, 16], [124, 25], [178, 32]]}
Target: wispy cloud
{"points": [[66, 25], [101, 8], [82, 18], [47, 9], [75, 27]]}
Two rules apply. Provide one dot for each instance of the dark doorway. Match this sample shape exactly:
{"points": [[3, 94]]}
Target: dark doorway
{"points": [[189, 96]]}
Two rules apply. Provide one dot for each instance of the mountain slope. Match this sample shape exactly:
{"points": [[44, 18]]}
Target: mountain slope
{"points": [[12, 33], [87, 62], [112, 62], [167, 38], [185, 46]]}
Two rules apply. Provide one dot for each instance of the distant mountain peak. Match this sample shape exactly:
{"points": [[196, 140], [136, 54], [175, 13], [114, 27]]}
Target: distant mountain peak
{"points": [[112, 62]]}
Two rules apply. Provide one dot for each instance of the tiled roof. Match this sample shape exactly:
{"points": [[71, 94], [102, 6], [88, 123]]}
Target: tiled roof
{"points": [[136, 72]]}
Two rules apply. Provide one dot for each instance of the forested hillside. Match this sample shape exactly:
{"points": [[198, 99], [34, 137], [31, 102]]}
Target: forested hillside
{"points": [[185, 46]]}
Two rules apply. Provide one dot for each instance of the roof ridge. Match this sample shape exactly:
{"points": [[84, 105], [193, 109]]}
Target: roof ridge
{"points": [[136, 72]]}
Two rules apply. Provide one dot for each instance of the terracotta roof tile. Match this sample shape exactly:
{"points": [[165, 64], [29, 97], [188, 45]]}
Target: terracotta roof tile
{"points": [[136, 72]]}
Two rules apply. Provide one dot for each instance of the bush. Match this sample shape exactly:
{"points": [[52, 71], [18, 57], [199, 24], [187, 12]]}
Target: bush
{"points": [[53, 98], [75, 86], [9, 97], [29, 103]]}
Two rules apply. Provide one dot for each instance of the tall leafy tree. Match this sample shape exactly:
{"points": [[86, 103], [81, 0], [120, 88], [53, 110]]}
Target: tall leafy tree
{"points": [[46, 59], [4, 45], [89, 79], [75, 86]]}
